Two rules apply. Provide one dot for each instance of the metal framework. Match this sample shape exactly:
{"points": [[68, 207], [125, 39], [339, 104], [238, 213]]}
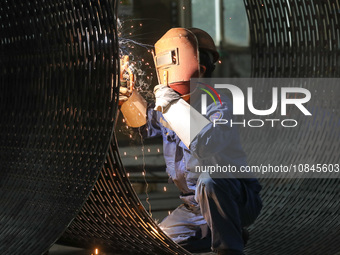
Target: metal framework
{"points": [[296, 38], [57, 97]]}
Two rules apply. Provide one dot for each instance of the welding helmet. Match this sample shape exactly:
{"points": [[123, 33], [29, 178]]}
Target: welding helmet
{"points": [[177, 56], [177, 59]]}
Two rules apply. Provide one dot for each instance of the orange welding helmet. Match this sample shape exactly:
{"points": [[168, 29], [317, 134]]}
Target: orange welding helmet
{"points": [[177, 59]]}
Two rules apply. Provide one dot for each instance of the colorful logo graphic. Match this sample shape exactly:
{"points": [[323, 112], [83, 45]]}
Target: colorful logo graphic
{"points": [[240, 101], [209, 93]]}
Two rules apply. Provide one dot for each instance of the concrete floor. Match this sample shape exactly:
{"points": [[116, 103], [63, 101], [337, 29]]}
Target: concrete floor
{"points": [[65, 250]]}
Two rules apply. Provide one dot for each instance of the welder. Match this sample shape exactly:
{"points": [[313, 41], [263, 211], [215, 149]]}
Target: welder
{"points": [[215, 210]]}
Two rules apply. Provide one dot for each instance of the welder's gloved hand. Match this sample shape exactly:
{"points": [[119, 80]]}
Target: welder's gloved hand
{"points": [[164, 97], [190, 203], [124, 94]]}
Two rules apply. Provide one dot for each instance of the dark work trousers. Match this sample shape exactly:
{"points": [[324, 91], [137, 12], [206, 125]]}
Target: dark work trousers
{"points": [[227, 205]]}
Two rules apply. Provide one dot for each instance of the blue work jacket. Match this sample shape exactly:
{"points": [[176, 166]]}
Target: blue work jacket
{"points": [[219, 144]]}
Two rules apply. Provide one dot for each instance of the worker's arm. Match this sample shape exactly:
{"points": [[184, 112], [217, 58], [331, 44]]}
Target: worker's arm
{"points": [[148, 122], [183, 119], [132, 104], [196, 131], [134, 110], [214, 138], [152, 127]]}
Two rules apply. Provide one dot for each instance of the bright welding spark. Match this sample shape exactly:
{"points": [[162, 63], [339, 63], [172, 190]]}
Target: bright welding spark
{"points": [[125, 46], [155, 230]]}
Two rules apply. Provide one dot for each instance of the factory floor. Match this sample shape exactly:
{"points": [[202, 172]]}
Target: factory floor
{"points": [[65, 250]]}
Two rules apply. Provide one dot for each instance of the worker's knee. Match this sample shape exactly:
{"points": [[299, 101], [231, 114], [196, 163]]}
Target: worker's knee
{"points": [[228, 188], [207, 186]]}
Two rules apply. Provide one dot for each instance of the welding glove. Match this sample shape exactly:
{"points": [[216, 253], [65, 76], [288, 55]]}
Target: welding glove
{"points": [[164, 97], [186, 121], [133, 107], [124, 94]]}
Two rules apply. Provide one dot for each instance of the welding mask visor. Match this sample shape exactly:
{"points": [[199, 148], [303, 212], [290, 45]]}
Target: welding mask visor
{"points": [[177, 59]]}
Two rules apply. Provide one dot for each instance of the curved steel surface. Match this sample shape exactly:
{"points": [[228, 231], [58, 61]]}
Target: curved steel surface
{"points": [[57, 100], [294, 38], [114, 219], [299, 216]]}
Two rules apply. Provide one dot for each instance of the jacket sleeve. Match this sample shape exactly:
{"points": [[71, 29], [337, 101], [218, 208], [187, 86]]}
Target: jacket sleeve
{"points": [[152, 127], [213, 139]]}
